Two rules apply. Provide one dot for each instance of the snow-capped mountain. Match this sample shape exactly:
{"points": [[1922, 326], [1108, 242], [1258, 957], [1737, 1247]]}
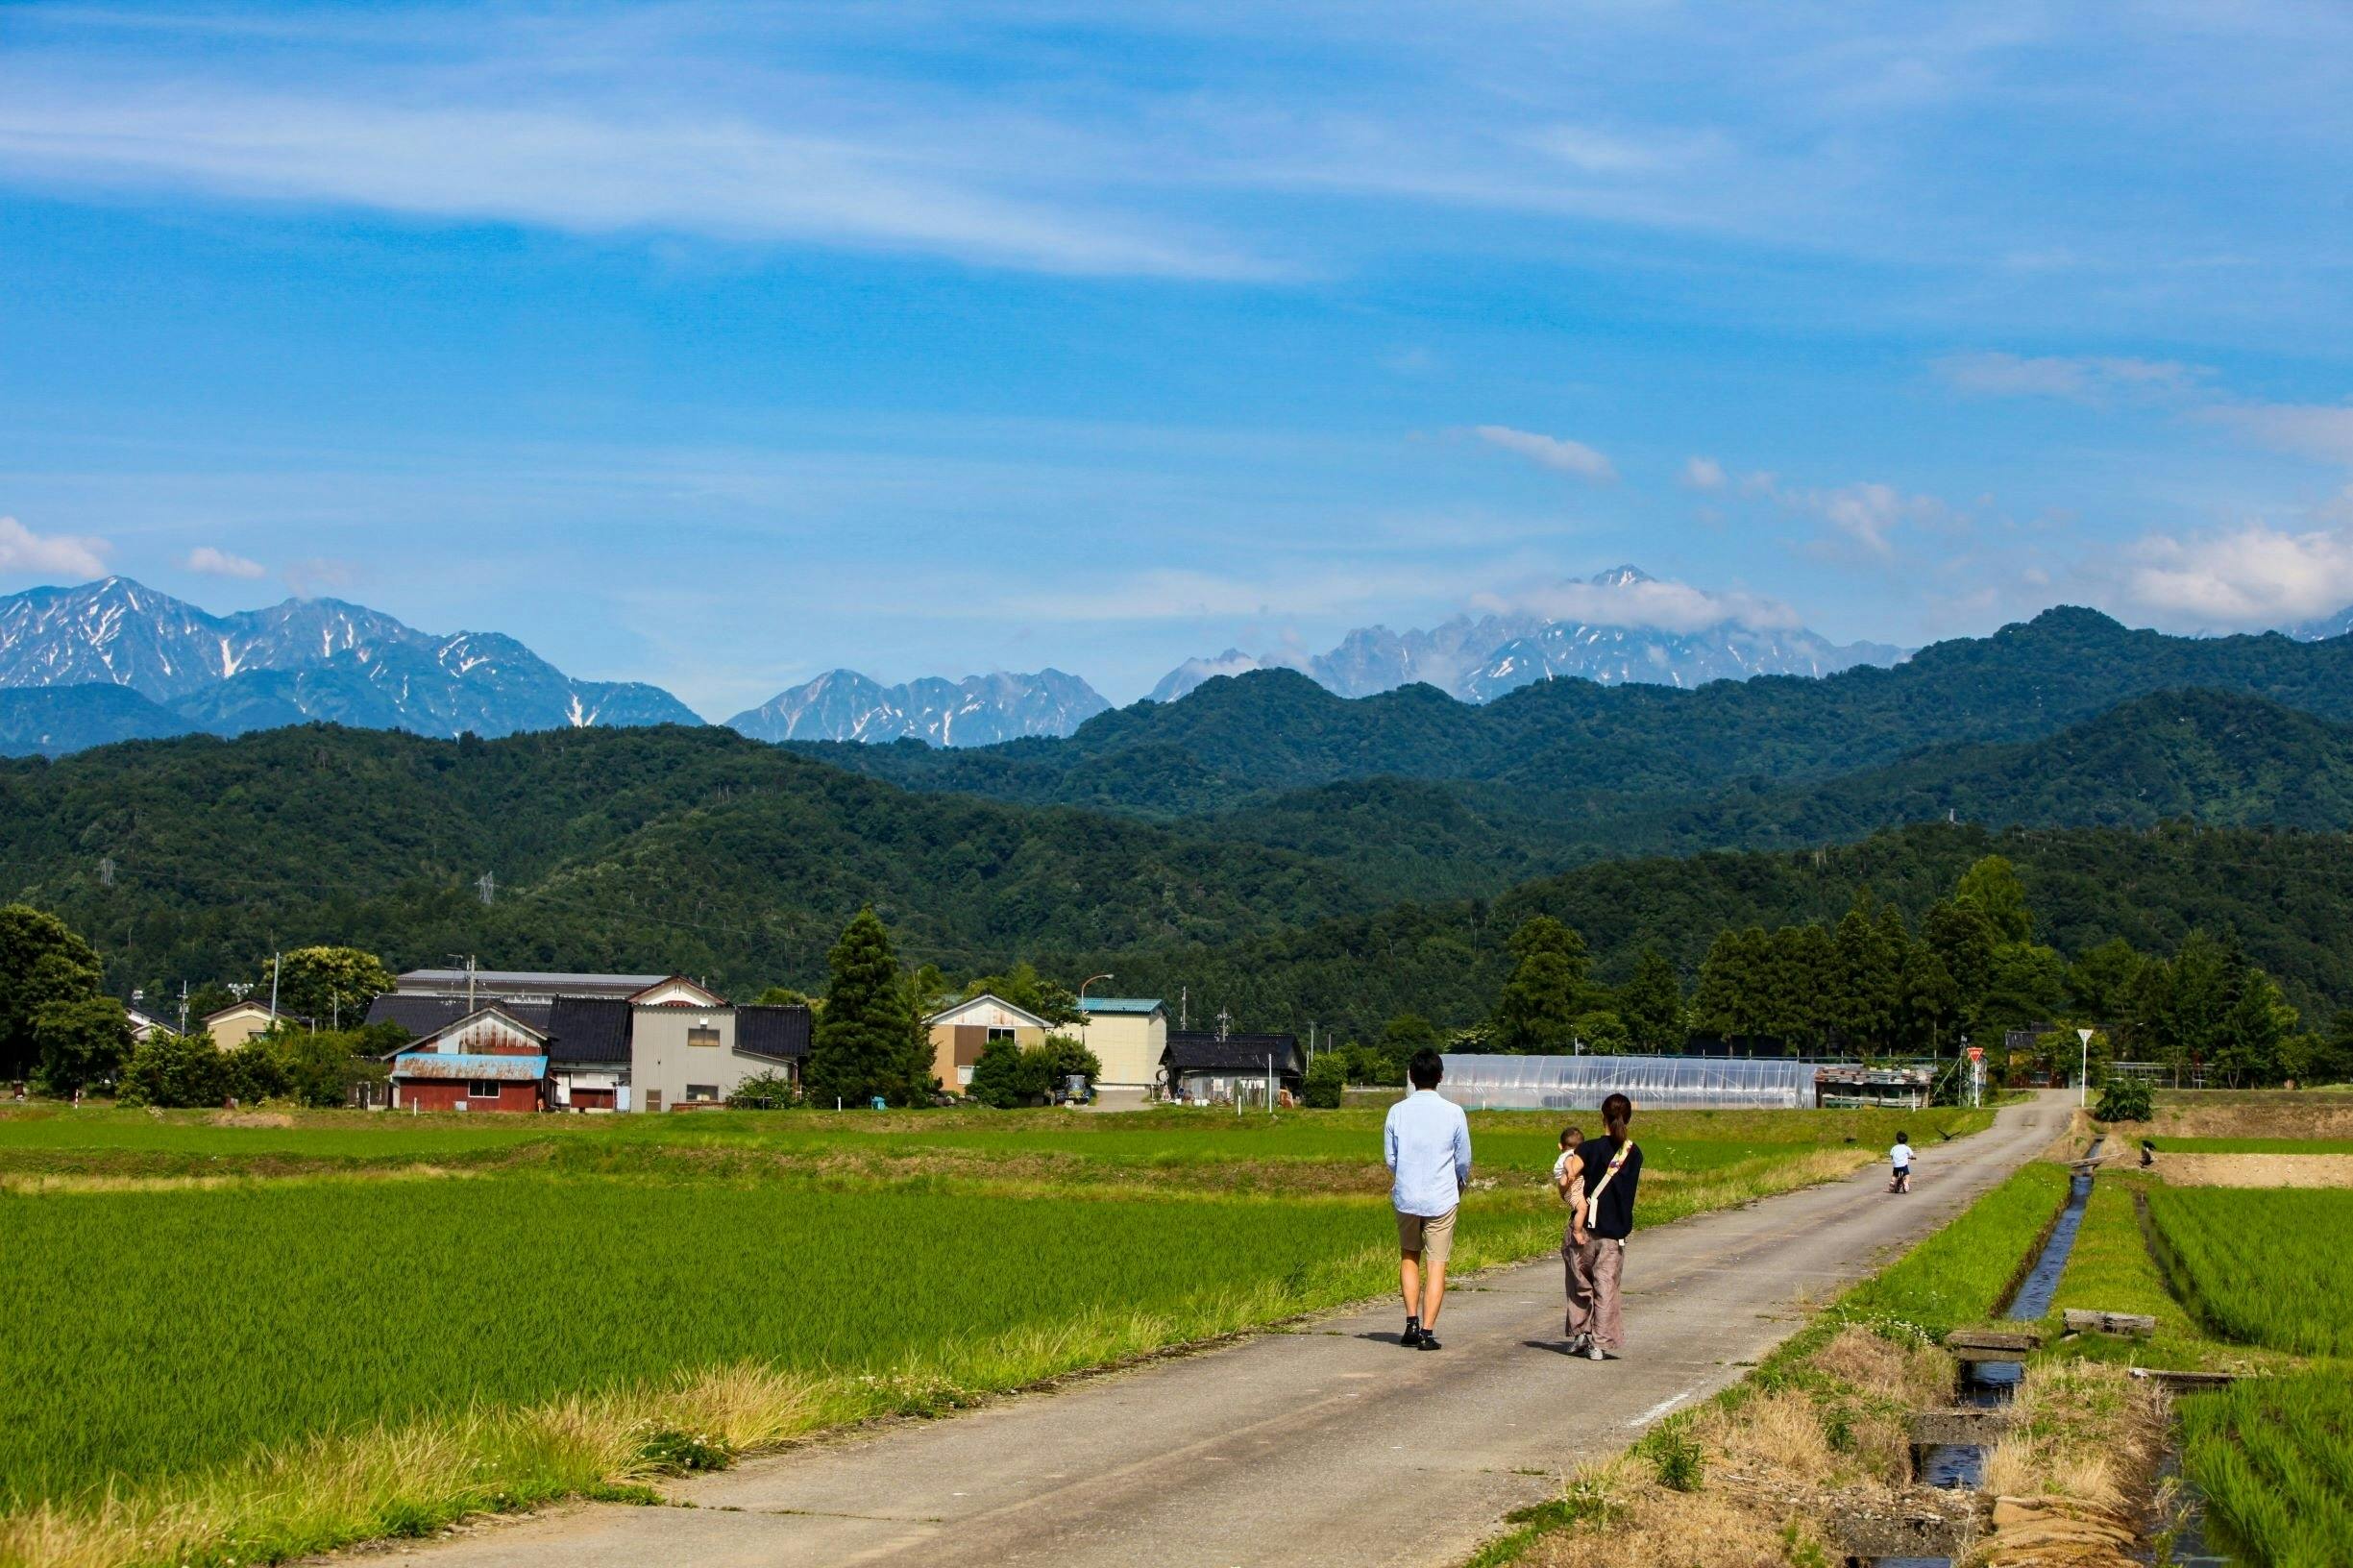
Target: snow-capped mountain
{"points": [[978, 710], [2324, 627], [1628, 627], [303, 659]]}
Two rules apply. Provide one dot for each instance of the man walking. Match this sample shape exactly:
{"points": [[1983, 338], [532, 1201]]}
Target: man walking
{"points": [[1427, 1142], [1601, 1194]]}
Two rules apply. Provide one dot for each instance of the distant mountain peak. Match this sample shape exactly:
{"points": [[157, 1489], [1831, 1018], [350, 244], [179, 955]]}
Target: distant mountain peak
{"points": [[978, 710], [301, 659], [1609, 639]]}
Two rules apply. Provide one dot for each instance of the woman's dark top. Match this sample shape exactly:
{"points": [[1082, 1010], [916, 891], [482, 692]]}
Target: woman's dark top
{"points": [[1613, 1217]]}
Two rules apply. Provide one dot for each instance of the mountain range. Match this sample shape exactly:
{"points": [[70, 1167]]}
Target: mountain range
{"points": [[978, 710], [1621, 636], [113, 659]]}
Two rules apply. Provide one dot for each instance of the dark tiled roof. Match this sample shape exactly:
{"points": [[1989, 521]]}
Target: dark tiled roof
{"points": [[578, 1028], [588, 1029], [1204, 1052], [421, 1015], [779, 1033]]}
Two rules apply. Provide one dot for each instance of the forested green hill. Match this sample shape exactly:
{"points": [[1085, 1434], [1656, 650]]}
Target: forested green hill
{"points": [[2283, 893], [656, 849], [702, 851]]}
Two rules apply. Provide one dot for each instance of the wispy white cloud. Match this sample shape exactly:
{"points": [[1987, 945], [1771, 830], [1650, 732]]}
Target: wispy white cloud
{"points": [[589, 165], [2322, 430], [2079, 380], [1703, 474], [321, 574], [58, 554], [1552, 452], [1653, 604], [215, 562]]}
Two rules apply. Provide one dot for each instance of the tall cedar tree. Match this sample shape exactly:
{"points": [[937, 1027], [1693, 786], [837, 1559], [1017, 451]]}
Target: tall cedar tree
{"points": [[868, 1040], [1651, 1004], [1536, 1014], [42, 962]]}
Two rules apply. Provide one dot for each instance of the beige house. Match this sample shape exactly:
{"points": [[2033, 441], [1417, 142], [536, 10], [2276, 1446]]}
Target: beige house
{"points": [[960, 1033], [233, 1026], [1128, 1035], [688, 1046]]}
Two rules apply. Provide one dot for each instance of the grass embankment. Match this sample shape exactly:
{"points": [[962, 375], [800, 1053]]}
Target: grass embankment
{"points": [[1820, 1429], [278, 1364]]}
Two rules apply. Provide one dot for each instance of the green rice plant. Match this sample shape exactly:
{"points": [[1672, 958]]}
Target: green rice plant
{"points": [[2274, 1457], [2262, 1265]]}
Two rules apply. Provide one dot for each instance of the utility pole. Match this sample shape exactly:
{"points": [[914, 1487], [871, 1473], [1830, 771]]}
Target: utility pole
{"points": [[184, 1007], [274, 962], [1225, 1023], [1184, 1009], [468, 959]]}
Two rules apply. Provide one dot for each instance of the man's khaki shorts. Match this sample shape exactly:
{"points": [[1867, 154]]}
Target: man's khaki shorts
{"points": [[1432, 1236]]}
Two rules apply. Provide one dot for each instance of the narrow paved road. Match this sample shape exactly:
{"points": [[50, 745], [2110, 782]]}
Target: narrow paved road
{"points": [[1329, 1445]]}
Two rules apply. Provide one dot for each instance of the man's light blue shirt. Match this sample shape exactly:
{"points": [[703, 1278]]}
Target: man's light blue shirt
{"points": [[1427, 1142]]}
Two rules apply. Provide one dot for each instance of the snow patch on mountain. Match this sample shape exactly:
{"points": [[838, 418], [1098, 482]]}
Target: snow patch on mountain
{"points": [[1615, 626], [978, 710]]}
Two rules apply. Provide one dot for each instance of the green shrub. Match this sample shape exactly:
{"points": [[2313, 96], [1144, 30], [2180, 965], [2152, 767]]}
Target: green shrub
{"points": [[176, 1071], [1006, 1075], [2124, 1100], [764, 1091], [1327, 1078]]}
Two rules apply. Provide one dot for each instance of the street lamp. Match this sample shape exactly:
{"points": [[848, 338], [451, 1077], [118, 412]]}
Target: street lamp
{"points": [[2083, 1077], [1089, 981]]}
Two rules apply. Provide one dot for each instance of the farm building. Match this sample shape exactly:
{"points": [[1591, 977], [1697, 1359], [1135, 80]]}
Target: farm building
{"points": [[1128, 1035], [960, 1033], [485, 1060], [1200, 1066]]}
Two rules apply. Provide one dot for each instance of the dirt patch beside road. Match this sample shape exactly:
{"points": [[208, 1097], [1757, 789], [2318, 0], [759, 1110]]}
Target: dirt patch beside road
{"points": [[2308, 1115], [2256, 1169]]}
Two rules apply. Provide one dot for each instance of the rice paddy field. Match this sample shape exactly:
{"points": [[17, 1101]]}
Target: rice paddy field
{"points": [[2253, 1280], [2262, 1267], [265, 1335]]}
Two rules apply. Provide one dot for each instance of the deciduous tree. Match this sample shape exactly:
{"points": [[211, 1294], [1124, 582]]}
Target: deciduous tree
{"points": [[42, 961]]}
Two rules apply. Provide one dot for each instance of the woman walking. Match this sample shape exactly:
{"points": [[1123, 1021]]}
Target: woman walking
{"points": [[1601, 1193]]}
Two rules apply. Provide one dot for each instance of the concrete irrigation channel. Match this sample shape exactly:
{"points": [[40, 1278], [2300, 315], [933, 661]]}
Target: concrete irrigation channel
{"points": [[1324, 1444]]}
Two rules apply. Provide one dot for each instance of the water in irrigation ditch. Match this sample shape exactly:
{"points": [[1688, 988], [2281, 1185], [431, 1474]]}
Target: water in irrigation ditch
{"points": [[1988, 1383]]}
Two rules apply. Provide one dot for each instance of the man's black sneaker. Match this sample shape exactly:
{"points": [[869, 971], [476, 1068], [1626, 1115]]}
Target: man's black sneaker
{"points": [[1428, 1342], [1412, 1337]]}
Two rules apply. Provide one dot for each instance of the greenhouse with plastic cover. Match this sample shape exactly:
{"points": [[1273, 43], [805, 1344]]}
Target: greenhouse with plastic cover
{"points": [[1654, 1083]]}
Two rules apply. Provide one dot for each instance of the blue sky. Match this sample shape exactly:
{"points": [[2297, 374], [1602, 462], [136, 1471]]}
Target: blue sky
{"points": [[719, 345]]}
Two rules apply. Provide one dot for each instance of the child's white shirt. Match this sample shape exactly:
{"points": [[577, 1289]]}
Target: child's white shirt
{"points": [[1901, 1154]]}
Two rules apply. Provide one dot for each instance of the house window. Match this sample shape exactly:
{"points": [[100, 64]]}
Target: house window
{"points": [[482, 1090], [996, 1034], [703, 1091], [702, 1034]]}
